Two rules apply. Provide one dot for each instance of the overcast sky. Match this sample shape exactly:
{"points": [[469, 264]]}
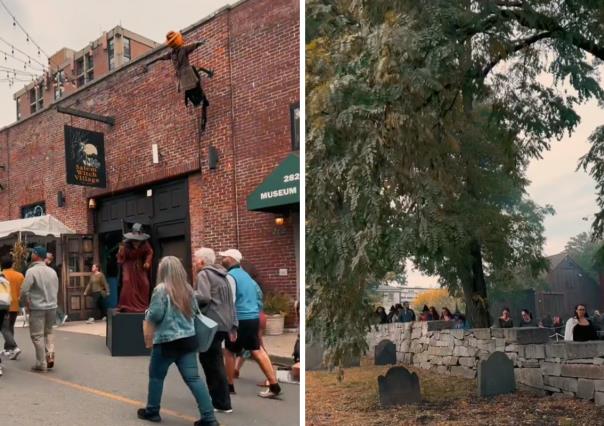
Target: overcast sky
{"points": [[69, 23]]}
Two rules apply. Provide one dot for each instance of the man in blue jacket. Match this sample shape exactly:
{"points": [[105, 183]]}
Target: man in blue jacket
{"points": [[248, 304]]}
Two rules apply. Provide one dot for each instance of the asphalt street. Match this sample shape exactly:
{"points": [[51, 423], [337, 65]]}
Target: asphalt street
{"points": [[90, 387]]}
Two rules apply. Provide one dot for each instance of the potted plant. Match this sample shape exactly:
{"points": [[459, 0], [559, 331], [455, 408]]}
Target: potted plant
{"points": [[276, 308]]}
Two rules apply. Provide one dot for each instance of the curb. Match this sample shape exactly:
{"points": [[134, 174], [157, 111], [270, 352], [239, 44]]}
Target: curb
{"points": [[282, 361]]}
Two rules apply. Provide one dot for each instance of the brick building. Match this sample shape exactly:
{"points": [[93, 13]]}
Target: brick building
{"points": [[236, 185], [71, 70]]}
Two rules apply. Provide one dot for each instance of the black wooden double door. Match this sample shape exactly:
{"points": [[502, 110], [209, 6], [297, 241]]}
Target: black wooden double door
{"points": [[162, 209]]}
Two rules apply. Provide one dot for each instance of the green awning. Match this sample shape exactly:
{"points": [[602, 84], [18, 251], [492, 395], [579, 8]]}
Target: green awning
{"points": [[281, 188]]}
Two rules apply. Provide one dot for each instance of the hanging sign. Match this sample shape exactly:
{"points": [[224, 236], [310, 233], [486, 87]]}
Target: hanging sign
{"points": [[85, 157]]}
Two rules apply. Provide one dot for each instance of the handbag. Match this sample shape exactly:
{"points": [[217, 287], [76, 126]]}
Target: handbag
{"points": [[205, 330], [5, 297]]}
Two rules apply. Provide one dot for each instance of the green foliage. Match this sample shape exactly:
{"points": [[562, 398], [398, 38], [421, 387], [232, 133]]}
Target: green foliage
{"points": [[421, 120], [586, 252], [277, 303]]}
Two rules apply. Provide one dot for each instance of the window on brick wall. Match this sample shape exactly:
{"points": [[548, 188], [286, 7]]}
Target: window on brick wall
{"points": [[127, 51], [36, 98], [89, 67], [59, 83], [111, 53], [294, 111], [33, 210], [18, 108], [32, 100], [40, 93], [80, 72]]}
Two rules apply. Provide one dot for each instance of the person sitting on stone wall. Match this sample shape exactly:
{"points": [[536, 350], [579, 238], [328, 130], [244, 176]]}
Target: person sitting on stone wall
{"points": [[505, 320], [526, 319], [579, 328], [446, 314]]}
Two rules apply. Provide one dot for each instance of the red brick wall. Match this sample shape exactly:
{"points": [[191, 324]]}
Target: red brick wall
{"points": [[254, 51]]}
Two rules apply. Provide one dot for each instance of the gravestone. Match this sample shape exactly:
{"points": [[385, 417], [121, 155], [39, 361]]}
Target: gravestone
{"points": [[385, 353], [399, 387], [496, 375]]}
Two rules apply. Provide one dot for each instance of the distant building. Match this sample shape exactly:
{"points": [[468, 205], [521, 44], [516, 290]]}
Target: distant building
{"points": [[70, 70], [391, 295], [568, 285]]}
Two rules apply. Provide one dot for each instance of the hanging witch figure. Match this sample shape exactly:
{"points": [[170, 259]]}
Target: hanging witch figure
{"points": [[187, 75]]}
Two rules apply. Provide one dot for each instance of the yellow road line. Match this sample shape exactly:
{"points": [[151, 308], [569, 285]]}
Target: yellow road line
{"points": [[109, 395]]}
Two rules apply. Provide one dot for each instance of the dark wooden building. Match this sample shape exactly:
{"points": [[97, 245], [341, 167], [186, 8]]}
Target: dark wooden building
{"points": [[568, 285]]}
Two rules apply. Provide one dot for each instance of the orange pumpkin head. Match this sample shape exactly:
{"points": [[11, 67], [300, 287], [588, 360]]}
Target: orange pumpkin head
{"points": [[174, 39]]}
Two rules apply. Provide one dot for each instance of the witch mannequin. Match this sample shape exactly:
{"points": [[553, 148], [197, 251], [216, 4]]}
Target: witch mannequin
{"points": [[187, 76], [135, 255]]}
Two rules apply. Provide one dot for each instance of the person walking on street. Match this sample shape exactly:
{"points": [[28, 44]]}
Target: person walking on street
{"points": [[5, 299], [248, 306], [99, 290], [15, 279], [213, 293], [61, 316], [39, 293], [171, 314]]}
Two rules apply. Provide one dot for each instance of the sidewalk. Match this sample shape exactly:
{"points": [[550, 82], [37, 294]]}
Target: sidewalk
{"points": [[280, 348]]}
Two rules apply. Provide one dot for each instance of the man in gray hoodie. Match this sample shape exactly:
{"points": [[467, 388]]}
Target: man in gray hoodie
{"points": [[39, 294], [216, 300]]}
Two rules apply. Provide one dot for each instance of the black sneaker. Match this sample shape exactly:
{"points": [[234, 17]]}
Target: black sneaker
{"points": [[143, 414], [201, 422], [232, 389]]}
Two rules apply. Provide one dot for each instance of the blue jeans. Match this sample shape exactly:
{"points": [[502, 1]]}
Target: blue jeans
{"points": [[187, 366]]}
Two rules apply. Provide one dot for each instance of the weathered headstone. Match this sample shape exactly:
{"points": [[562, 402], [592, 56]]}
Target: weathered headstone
{"points": [[496, 375], [398, 387], [385, 353]]}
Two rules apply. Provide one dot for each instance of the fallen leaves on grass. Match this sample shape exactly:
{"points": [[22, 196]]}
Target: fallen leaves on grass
{"points": [[446, 400]]}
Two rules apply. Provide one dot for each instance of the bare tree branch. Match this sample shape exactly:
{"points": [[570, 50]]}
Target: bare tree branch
{"points": [[538, 21], [517, 47]]}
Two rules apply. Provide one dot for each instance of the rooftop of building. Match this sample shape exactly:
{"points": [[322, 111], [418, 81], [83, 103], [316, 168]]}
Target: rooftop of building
{"points": [[144, 56]]}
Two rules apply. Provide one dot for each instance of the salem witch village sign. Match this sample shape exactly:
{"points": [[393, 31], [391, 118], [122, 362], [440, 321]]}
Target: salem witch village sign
{"points": [[85, 157]]}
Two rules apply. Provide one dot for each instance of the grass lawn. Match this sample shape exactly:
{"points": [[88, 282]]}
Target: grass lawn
{"points": [[446, 400]]}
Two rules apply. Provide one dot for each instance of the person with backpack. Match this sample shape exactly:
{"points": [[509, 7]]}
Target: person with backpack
{"points": [[215, 298], [171, 317]]}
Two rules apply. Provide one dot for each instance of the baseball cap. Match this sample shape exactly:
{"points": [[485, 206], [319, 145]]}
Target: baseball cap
{"points": [[234, 253], [40, 251]]}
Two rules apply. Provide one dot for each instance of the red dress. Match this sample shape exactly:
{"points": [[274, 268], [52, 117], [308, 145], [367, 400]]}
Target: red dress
{"points": [[134, 296]]}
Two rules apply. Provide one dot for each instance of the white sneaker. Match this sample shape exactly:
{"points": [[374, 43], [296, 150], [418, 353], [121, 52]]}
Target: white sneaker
{"points": [[0, 370], [104, 319], [14, 354], [90, 321], [218, 410], [64, 319]]}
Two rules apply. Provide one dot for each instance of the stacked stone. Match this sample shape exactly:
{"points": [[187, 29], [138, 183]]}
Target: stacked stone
{"points": [[567, 369], [574, 369]]}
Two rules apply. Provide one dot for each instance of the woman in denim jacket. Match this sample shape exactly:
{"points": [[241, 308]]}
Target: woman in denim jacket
{"points": [[171, 312]]}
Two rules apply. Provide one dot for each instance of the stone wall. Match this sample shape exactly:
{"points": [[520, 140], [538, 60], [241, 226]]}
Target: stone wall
{"points": [[572, 369]]}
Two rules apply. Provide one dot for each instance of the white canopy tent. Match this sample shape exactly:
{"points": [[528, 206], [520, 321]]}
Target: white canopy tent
{"points": [[43, 226]]}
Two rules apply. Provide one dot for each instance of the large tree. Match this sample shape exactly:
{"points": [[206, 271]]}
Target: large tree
{"points": [[421, 120]]}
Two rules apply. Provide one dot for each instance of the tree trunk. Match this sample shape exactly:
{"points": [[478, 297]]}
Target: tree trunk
{"points": [[475, 291]]}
